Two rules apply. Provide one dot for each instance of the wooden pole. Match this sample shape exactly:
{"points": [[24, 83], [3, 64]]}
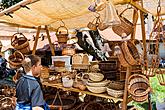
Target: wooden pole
{"points": [[36, 40], [135, 19], [125, 97], [50, 43]]}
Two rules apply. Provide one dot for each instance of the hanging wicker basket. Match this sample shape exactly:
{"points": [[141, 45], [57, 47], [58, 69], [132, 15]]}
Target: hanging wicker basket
{"points": [[127, 55], [61, 36], [16, 59], [138, 87], [20, 42], [161, 76]]}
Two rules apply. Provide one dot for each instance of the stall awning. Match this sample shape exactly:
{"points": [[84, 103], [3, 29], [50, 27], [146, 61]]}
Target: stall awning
{"points": [[74, 13]]}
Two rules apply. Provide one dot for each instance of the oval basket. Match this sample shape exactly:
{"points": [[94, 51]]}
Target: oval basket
{"points": [[20, 42], [96, 89], [138, 87], [16, 59], [115, 93], [117, 85]]}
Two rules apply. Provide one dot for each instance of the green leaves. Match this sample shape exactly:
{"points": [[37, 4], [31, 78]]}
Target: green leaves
{"points": [[8, 3]]}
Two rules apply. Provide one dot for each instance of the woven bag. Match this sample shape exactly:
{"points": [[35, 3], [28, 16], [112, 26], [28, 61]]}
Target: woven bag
{"points": [[125, 27]]}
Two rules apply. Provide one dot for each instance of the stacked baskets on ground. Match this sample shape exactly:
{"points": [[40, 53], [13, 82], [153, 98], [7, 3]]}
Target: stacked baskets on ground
{"points": [[138, 87]]}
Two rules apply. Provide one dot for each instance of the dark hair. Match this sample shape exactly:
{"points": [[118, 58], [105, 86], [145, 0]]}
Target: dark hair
{"points": [[34, 59]]}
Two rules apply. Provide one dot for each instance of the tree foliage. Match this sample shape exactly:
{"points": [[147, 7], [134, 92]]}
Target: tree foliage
{"points": [[8, 3]]}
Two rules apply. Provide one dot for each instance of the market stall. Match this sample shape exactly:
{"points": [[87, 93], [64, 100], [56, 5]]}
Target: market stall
{"points": [[124, 64]]}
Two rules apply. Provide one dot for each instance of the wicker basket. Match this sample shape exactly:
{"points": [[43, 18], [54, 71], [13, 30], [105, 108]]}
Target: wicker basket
{"points": [[15, 60], [117, 85], [134, 51], [62, 37], [138, 87], [127, 55], [120, 56], [115, 93], [98, 84], [161, 76], [125, 27], [96, 76], [94, 106], [96, 89], [59, 63], [108, 65], [20, 42]]}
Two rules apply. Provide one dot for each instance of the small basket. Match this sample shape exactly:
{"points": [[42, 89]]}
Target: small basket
{"points": [[15, 60], [96, 76], [115, 93], [117, 85], [20, 42], [62, 37], [161, 76]]}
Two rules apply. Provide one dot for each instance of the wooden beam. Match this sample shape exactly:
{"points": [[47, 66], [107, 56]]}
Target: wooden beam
{"points": [[135, 19], [36, 40], [50, 43], [125, 97]]}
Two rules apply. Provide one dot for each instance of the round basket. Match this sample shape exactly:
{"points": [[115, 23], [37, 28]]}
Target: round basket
{"points": [[96, 89], [20, 42], [15, 60], [127, 55], [117, 85], [138, 87], [115, 93], [96, 76], [98, 84]]}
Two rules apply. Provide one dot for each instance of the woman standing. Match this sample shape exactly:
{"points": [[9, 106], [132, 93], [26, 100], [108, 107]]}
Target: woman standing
{"points": [[28, 90]]}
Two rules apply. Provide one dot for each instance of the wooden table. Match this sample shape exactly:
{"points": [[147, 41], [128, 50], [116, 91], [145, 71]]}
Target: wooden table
{"points": [[60, 86]]}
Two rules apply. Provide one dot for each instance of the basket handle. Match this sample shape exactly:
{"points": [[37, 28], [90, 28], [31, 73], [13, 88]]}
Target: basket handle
{"points": [[58, 32], [127, 9], [18, 52], [139, 75]]}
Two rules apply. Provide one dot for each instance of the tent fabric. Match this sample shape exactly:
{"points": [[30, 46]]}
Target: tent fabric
{"points": [[74, 13]]}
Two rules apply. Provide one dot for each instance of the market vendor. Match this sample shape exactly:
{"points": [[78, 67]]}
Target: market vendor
{"points": [[28, 90]]}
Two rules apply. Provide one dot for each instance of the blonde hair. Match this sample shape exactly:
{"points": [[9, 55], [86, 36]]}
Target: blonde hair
{"points": [[30, 61]]}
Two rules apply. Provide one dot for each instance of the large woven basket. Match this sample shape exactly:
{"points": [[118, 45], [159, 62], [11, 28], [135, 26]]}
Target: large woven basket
{"points": [[16, 59], [20, 42], [138, 87]]}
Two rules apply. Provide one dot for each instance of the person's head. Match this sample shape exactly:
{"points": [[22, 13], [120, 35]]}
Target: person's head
{"points": [[32, 63]]}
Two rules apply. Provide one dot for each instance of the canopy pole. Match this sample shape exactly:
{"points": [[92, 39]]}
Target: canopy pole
{"points": [[50, 43], [125, 96], [135, 19], [36, 40]]}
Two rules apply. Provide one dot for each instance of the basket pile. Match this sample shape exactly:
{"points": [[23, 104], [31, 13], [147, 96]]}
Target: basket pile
{"points": [[138, 87]]}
